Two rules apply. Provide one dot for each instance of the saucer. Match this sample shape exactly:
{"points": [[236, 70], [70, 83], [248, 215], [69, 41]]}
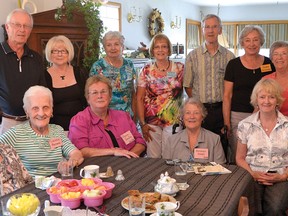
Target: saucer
{"points": [[176, 214], [103, 175]]}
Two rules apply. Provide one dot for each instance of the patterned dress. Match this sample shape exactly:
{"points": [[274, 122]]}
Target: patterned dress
{"points": [[122, 82], [163, 94], [12, 172]]}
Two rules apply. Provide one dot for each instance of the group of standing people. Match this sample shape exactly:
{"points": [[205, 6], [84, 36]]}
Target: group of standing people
{"points": [[97, 115]]}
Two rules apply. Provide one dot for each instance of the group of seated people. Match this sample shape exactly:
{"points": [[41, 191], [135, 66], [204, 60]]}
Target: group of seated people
{"points": [[94, 129]]}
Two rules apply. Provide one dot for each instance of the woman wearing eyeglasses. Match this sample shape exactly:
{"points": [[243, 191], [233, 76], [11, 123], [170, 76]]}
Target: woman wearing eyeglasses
{"points": [[65, 81], [159, 95], [279, 57], [99, 130]]}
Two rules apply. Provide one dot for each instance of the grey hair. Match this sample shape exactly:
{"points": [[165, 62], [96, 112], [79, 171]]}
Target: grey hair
{"points": [[209, 16], [111, 35], [36, 90], [248, 29], [18, 10], [196, 102], [276, 45]]}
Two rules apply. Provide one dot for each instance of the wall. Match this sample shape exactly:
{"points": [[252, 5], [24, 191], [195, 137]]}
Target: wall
{"points": [[137, 32]]}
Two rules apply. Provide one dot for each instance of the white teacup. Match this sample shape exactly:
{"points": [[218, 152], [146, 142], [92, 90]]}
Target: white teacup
{"points": [[90, 171], [167, 208]]}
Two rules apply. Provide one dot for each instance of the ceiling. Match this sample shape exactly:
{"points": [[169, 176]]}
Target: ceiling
{"points": [[234, 2]]}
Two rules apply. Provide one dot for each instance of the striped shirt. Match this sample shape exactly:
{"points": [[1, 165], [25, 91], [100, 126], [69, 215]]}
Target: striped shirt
{"points": [[204, 73], [34, 150]]}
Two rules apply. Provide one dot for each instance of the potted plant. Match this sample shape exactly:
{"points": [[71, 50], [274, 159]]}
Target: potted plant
{"points": [[90, 10]]}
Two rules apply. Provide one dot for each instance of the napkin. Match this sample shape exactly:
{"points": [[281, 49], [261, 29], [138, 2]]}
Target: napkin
{"points": [[43, 182]]}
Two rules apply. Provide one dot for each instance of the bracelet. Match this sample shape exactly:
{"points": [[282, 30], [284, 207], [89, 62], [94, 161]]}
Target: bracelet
{"points": [[142, 124]]}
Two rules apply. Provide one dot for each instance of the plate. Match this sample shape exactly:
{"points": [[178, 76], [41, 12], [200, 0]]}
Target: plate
{"points": [[103, 175], [124, 202], [176, 214]]}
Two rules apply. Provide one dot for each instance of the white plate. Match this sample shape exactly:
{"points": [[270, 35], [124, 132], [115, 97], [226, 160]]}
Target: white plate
{"points": [[176, 214], [124, 202], [103, 175]]}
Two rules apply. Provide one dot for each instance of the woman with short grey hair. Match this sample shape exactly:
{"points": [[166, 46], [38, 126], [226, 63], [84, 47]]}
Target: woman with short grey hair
{"points": [[194, 143], [241, 74], [119, 71]]}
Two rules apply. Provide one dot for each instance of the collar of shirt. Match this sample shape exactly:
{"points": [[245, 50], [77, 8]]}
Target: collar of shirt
{"points": [[220, 48], [199, 140], [7, 49], [254, 119], [96, 120]]}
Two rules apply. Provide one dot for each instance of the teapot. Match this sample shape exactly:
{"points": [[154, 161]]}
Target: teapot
{"points": [[166, 185]]}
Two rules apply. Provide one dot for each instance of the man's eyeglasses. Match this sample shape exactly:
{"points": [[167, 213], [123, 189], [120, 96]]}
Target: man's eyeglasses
{"points": [[63, 52], [102, 92], [18, 26], [211, 27]]}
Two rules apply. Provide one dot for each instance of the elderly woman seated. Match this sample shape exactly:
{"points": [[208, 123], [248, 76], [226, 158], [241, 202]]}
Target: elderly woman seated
{"points": [[40, 145], [98, 130], [194, 143], [13, 173], [262, 148]]}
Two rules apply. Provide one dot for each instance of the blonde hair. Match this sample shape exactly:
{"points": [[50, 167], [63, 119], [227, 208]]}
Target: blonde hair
{"points": [[269, 85], [59, 39]]}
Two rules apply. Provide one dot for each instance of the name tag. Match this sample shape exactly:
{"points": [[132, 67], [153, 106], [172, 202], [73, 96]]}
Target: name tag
{"points": [[201, 153], [266, 68], [171, 74], [55, 143], [127, 137]]}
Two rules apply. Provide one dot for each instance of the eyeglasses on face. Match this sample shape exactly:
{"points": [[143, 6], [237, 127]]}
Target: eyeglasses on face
{"points": [[211, 27], [18, 26], [102, 92], [161, 47], [63, 52]]}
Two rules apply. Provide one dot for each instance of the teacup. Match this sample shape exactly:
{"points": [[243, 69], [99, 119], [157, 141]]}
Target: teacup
{"points": [[166, 208], [90, 171]]}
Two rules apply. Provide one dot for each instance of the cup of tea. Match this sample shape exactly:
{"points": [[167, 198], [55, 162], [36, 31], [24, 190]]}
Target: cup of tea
{"points": [[90, 171], [166, 208]]}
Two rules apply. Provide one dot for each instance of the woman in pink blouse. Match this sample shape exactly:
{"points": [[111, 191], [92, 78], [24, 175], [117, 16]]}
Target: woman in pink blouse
{"points": [[98, 130]]}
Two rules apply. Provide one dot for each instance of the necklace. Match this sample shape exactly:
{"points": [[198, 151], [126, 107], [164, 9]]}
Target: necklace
{"points": [[64, 74], [162, 70], [117, 65]]}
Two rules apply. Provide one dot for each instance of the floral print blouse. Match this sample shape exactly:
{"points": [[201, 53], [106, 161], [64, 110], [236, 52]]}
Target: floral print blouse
{"points": [[163, 94], [12, 172], [122, 81]]}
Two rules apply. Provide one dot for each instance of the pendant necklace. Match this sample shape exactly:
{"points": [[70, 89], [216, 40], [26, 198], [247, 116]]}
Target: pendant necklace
{"points": [[64, 75], [162, 70]]}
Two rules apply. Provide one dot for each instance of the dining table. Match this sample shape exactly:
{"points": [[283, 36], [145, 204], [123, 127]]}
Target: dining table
{"points": [[209, 195]]}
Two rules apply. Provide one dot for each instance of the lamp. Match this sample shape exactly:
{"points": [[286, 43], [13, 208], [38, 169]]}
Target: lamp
{"points": [[103, 1], [176, 24], [133, 16]]}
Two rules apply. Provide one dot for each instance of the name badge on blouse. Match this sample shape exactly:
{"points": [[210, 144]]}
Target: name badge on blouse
{"points": [[201, 153], [266, 68], [171, 74], [55, 143], [127, 137]]}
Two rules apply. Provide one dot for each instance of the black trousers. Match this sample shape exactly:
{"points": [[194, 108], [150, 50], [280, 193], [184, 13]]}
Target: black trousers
{"points": [[214, 119]]}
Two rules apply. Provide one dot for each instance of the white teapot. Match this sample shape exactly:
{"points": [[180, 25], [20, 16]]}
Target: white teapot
{"points": [[166, 185]]}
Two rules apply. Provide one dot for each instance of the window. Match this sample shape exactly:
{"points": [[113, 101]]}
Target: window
{"points": [[274, 30], [110, 14]]}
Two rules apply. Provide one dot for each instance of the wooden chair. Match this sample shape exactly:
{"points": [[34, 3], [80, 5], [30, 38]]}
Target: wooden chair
{"points": [[243, 207]]}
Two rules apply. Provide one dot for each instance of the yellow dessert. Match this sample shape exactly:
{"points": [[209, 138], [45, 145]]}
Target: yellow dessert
{"points": [[23, 204]]}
